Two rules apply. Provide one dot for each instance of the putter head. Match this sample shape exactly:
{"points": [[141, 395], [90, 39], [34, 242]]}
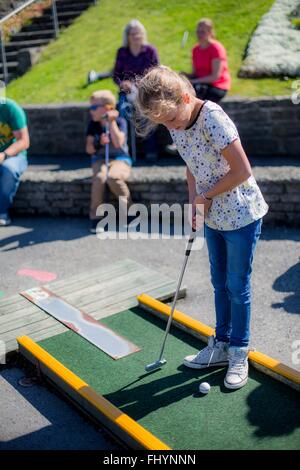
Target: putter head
{"points": [[155, 365]]}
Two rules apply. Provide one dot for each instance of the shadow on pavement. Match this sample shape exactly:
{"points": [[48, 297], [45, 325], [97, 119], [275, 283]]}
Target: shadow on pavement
{"points": [[43, 230], [289, 282], [45, 422]]}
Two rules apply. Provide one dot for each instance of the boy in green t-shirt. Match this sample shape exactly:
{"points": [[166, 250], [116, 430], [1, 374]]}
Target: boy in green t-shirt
{"points": [[14, 141]]}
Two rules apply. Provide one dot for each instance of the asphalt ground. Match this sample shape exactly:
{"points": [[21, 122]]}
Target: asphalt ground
{"points": [[37, 418]]}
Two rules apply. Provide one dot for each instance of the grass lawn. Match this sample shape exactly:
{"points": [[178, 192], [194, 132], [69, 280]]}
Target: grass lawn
{"points": [[92, 41]]}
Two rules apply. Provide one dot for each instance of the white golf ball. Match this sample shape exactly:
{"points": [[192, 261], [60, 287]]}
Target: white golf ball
{"points": [[204, 387]]}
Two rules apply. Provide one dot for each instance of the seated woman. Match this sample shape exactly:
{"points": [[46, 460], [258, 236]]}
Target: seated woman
{"points": [[210, 76], [134, 58]]}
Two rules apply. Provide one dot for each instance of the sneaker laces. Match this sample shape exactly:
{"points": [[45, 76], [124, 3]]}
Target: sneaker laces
{"points": [[237, 362], [208, 351]]}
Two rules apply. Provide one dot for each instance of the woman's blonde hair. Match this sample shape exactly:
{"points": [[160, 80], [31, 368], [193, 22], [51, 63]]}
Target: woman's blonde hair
{"points": [[134, 24], [106, 97], [159, 92], [208, 22]]}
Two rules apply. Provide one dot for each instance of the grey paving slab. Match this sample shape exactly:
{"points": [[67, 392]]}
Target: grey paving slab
{"points": [[37, 418]]}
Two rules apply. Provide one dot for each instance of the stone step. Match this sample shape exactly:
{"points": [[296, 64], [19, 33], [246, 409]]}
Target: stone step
{"points": [[10, 76], [11, 56], [13, 46], [67, 193], [45, 26], [33, 35], [74, 2], [11, 66], [63, 16], [41, 31], [61, 8]]}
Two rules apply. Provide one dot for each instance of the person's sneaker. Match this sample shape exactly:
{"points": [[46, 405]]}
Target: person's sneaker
{"points": [[214, 355], [4, 220], [237, 373], [94, 228], [172, 149], [92, 76]]}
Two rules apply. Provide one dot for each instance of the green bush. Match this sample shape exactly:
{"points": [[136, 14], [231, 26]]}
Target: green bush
{"points": [[296, 22]]}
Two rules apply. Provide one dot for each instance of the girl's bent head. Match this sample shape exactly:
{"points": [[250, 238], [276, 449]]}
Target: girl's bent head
{"points": [[161, 93]]}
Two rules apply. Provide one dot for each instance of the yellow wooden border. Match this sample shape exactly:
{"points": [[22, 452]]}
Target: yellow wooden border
{"points": [[127, 425], [144, 438], [256, 357]]}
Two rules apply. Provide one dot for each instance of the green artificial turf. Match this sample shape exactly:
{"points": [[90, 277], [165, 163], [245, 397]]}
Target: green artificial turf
{"points": [[92, 41], [265, 414]]}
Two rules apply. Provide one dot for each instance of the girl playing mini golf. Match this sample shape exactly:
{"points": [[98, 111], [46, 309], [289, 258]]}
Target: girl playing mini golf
{"points": [[220, 181]]}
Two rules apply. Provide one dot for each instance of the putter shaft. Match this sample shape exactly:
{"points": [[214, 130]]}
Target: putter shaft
{"points": [[160, 361]]}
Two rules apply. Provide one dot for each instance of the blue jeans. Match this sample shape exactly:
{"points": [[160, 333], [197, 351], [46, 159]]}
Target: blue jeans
{"points": [[10, 174], [230, 256]]}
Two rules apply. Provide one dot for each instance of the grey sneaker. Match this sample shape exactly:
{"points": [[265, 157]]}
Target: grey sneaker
{"points": [[94, 228], [237, 373], [92, 77], [4, 220], [172, 149], [214, 355]]}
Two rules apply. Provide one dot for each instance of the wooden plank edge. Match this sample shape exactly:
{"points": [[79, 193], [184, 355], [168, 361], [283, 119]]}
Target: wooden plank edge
{"points": [[266, 364], [119, 423], [58, 328], [168, 297]]}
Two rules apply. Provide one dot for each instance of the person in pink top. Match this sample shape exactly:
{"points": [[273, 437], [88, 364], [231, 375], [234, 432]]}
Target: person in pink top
{"points": [[210, 77]]}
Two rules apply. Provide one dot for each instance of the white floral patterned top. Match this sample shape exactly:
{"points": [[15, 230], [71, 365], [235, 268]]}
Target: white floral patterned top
{"points": [[200, 147]]}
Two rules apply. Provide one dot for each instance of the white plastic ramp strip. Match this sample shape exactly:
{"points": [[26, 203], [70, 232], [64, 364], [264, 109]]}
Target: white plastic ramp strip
{"points": [[77, 320]]}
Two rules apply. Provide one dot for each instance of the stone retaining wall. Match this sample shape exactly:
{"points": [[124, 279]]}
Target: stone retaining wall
{"points": [[67, 193], [268, 126]]}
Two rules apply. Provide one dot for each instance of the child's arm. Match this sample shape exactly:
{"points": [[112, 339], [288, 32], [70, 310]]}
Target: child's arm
{"points": [[217, 66], [89, 146], [22, 143], [191, 185], [240, 169], [192, 198], [117, 136]]}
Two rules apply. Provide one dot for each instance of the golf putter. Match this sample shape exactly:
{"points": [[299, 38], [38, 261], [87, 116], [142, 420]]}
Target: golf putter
{"points": [[160, 361], [105, 195], [132, 140], [107, 152], [131, 97], [127, 108], [105, 116]]}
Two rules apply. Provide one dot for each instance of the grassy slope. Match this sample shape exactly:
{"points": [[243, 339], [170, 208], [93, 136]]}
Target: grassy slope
{"points": [[91, 43]]}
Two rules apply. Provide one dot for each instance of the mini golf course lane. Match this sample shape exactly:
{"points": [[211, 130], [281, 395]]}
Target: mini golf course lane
{"points": [[265, 414]]}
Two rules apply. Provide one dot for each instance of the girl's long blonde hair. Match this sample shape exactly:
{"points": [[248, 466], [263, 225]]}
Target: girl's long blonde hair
{"points": [[159, 92]]}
